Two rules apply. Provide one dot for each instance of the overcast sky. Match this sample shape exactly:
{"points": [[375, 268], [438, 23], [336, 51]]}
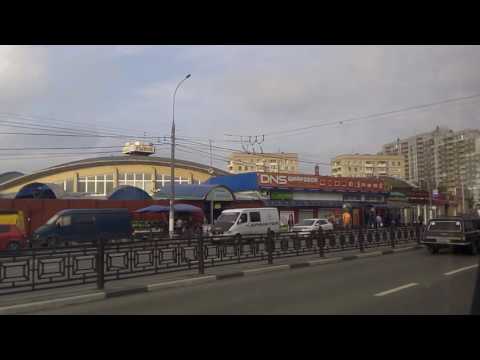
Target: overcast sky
{"points": [[236, 90]]}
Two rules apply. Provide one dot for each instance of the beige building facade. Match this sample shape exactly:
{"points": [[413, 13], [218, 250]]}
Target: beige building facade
{"points": [[265, 162], [368, 165]]}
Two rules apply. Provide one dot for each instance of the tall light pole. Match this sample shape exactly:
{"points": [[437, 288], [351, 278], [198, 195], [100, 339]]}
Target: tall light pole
{"points": [[171, 220]]}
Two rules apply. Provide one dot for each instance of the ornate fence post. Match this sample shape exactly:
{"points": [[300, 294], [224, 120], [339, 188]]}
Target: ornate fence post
{"points": [[321, 241], [269, 243], [100, 264], [392, 237], [201, 260], [360, 240]]}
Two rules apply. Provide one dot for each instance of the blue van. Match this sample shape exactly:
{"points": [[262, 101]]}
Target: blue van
{"points": [[77, 226]]}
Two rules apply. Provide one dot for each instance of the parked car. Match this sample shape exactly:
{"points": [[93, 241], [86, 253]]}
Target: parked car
{"points": [[12, 238], [76, 226], [309, 225], [244, 222], [456, 232]]}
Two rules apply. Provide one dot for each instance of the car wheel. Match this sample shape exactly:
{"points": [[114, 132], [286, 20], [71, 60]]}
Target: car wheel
{"points": [[52, 242], [13, 246], [432, 249]]}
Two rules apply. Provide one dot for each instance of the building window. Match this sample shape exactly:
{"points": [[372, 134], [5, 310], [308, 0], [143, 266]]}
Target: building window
{"points": [[165, 180], [95, 184]]}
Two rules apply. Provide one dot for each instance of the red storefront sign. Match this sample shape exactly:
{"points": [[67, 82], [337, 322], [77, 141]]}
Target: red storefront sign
{"points": [[314, 182]]}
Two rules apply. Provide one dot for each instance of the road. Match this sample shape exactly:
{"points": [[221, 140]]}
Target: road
{"points": [[405, 283]]}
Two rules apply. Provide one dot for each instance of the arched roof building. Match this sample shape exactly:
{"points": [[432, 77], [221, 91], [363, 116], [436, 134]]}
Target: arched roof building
{"points": [[101, 176]]}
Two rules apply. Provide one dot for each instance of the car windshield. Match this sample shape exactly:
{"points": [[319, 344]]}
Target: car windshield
{"points": [[229, 218], [52, 220], [308, 222], [455, 226]]}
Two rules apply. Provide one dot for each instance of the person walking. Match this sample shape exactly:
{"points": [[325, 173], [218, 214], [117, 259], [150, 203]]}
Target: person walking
{"points": [[290, 222], [379, 221], [347, 218], [179, 225]]}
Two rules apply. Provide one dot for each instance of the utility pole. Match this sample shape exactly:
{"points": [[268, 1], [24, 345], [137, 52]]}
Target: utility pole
{"points": [[463, 198], [211, 161], [171, 220]]}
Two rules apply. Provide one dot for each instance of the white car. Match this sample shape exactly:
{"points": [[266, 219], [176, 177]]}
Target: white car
{"points": [[308, 225]]}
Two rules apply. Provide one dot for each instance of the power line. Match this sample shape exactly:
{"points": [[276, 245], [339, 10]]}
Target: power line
{"points": [[60, 148], [367, 117], [36, 126], [51, 119], [78, 135], [306, 161]]}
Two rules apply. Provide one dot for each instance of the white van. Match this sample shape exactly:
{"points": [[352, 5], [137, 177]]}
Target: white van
{"points": [[239, 222]]}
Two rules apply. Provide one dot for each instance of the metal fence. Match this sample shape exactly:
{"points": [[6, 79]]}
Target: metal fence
{"points": [[33, 269]]}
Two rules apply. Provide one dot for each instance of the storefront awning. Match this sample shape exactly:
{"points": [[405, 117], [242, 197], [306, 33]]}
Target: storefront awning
{"points": [[197, 192]]}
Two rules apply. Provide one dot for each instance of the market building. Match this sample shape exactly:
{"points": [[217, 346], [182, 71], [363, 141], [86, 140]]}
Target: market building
{"points": [[98, 177], [311, 196]]}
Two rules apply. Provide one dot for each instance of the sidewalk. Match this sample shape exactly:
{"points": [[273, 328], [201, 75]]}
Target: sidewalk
{"points": [[85, 293]]}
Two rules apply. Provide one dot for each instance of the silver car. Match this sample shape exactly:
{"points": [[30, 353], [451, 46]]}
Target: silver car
{"points": [[309, 225]]}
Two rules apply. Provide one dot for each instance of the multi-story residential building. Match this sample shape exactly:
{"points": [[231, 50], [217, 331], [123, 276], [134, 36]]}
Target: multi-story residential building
{"points": [[263, 162], [444, 159], [368, 165]]}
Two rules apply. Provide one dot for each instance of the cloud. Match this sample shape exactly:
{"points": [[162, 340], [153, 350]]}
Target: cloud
{"points": [[248, 90], [23, 74], [131, 49]]}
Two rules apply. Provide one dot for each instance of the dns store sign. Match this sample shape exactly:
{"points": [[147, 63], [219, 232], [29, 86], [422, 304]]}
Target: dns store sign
{"points": [[320, 182]]}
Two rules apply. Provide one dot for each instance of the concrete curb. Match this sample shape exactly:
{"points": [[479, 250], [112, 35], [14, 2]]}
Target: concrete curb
{"points": [[81, 299], [52, 304]]}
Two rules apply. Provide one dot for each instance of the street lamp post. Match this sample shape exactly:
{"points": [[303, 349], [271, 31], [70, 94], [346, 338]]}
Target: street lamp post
{"points": [[171, 220]]}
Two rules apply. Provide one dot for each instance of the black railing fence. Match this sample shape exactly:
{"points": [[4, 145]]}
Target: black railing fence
{"points": [[100, 262]]}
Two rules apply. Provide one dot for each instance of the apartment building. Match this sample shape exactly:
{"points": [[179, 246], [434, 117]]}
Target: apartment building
{"points": [[442, 158], [368, 165], [241, 162]]}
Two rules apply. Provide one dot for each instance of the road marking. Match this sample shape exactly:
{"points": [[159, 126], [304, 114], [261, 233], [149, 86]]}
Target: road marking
{"points": [[461, 269], [267, 269], [383, 293], [373, 253], [181, 282]]}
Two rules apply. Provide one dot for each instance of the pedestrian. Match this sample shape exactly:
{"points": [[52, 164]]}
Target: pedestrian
{"points": [[346, 217], [179, 225], [379, 221], [290, 222]]}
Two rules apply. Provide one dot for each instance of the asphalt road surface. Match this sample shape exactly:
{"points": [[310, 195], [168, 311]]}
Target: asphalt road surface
{"points": [[413, 282]]}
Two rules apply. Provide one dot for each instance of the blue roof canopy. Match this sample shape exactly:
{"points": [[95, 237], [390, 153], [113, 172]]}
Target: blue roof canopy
{"points": [[237, 183], [39, 191], [197, 192], [127, 192]]}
